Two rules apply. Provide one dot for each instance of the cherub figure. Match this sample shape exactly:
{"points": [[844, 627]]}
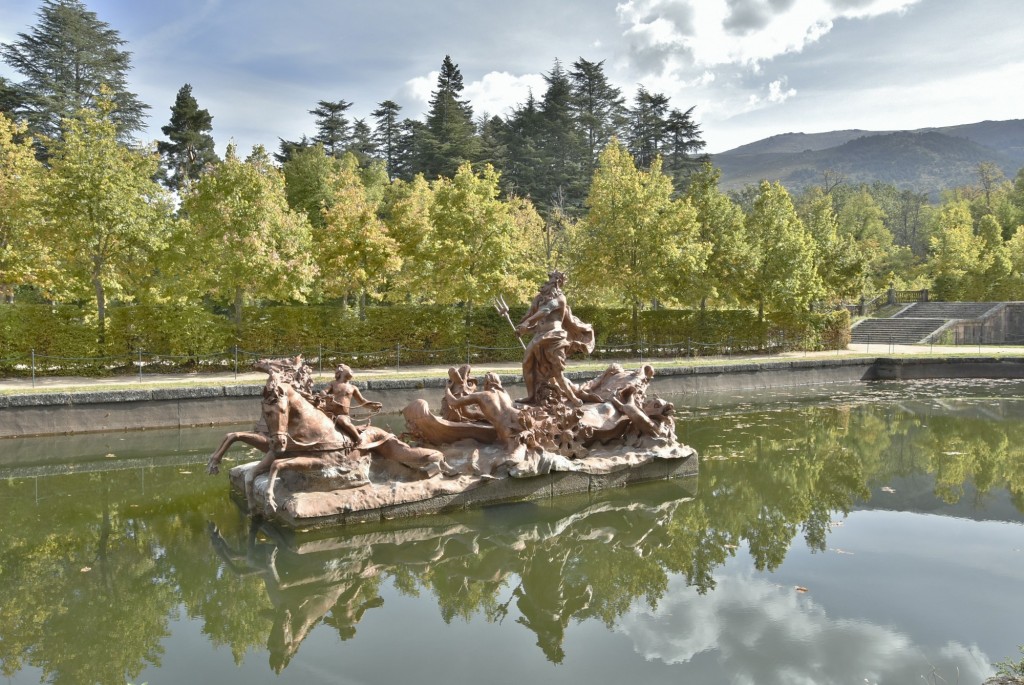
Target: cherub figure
{"points": [[339, 396]]}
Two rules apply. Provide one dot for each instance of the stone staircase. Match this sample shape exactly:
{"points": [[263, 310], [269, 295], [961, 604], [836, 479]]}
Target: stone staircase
{"points": [[917, 322], [898, 331]]}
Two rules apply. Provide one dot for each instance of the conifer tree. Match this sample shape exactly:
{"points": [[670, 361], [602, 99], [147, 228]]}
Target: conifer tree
{"points": [[332, 126], [598, 107], [66, 58], [362, 144], [647, 126], [386, 133], [190, 146], [452, 138], [560, 175], [683, 145]]}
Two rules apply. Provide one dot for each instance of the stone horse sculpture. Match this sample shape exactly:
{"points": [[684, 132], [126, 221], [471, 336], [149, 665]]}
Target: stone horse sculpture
{"points": [[295, 434], [299, 436]]}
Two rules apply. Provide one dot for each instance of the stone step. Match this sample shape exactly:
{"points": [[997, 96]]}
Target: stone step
{"points": [[946, 310], [897, 331]]}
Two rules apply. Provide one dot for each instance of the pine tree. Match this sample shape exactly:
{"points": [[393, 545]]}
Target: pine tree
{"points": [[413, 139], [522, 141], [452, 138], [286, 149], [682, 146], [10, 102], [362, 144], [66, 58], [598, 107], [386, 134], [191, 145], [332, 126], [647, 126], [560, 181]]}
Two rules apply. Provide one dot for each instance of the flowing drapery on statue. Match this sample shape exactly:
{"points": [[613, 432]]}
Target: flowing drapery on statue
{"points": [[556, 332]]}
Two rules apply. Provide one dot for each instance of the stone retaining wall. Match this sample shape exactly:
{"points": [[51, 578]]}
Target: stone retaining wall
{"points": [[83, 412]]}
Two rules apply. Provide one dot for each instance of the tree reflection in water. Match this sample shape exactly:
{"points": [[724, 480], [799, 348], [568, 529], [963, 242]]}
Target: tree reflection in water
{"points": [[94, 571]]}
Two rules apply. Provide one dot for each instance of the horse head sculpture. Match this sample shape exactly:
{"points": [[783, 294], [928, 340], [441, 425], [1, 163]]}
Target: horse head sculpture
{"points": [[276, 406]]}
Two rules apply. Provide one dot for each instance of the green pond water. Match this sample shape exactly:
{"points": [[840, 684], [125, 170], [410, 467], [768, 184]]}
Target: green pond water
{"points": [[868, 533]]}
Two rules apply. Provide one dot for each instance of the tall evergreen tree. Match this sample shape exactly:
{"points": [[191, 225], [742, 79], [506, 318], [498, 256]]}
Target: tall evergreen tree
{"points": [[9, 99], [683, 145], [413, 139], [560, 176], [362, 144], [452, 138], [522, 142], [66, 58], [648, 126], [598, 107], [332, 126], [191, 145], [386, 134], [493, 144], [286, 149]]}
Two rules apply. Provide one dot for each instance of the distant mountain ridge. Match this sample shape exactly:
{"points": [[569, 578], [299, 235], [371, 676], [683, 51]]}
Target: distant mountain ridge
{"points": [[927, 160]]}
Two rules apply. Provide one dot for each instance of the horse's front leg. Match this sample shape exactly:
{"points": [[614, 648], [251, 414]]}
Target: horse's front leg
{"points": [[250, 480], [305, 463], [260, 442]]}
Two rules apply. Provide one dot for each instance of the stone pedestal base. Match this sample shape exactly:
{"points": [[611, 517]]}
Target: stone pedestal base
{"points": [[478, 475]]}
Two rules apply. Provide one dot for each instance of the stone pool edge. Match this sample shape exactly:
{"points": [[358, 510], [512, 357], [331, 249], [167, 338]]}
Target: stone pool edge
{"points": [[60, 413]]}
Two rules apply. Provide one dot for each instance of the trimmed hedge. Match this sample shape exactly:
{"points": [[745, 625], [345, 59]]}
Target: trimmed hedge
{"points": [[190, 337]]}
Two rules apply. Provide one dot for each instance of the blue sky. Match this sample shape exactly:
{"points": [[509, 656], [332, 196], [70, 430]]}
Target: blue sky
{"points": [[753, 68]]}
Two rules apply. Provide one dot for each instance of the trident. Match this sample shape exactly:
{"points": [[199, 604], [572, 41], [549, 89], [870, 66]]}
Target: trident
{"points": [[499, 304]]}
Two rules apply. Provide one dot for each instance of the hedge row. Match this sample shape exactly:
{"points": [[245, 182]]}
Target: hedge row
{"points": [[167, 338]]}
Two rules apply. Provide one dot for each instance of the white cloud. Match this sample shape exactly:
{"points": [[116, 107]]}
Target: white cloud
{"points": [[419, 88], [743, 32], [771, 634], [498, 92], [494, 94]]}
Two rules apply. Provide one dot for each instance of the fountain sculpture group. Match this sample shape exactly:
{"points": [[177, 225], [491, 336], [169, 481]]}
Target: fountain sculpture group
{"points": [[321, 468]]}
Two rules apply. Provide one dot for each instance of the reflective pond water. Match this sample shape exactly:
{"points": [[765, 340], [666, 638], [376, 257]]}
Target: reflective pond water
{"points": [[850, 534]]}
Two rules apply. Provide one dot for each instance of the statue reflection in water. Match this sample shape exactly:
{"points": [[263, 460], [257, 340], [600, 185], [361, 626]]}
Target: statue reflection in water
{"points": [[485, 562]]}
